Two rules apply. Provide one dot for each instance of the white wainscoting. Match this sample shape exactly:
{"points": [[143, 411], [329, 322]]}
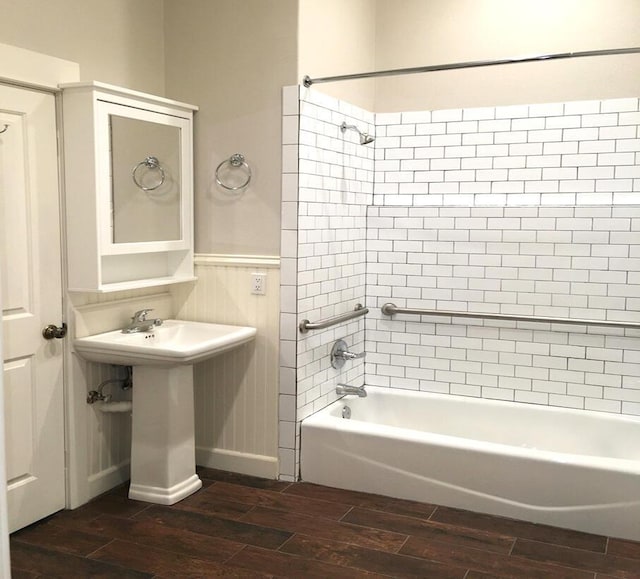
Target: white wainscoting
{"points": [[236, 394]]}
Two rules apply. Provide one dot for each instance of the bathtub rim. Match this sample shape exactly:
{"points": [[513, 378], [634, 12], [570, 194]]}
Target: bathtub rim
{"points": [[329, 418]]}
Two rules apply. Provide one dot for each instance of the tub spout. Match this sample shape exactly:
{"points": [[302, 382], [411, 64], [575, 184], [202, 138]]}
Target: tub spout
{"points": [[345, 390]]}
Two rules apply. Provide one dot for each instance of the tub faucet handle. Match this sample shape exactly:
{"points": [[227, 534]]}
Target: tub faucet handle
{"points": [[340, 354], [350, 355]]}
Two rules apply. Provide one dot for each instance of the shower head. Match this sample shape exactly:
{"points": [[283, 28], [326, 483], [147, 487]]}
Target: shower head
{"points": [[365, 138]]}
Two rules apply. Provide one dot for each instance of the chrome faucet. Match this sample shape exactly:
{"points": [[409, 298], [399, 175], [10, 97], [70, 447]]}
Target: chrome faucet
{"points": [[345, 389], [140, 323]]}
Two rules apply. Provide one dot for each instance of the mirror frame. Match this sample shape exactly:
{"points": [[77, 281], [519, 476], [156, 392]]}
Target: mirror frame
{"points": [[104, 185]]}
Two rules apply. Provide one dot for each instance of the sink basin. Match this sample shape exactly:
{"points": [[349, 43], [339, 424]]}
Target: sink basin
{"points": [[174, 343]]}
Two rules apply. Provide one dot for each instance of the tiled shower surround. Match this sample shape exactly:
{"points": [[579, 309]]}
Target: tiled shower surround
{"points": [[527, 209], [569, 262]]}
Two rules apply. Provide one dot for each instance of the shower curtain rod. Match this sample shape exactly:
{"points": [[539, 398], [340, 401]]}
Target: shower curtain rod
{"points": [[308, 81]]}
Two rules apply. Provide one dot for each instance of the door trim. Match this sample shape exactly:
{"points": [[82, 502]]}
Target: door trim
{"points": [[30, 70], [34, 70]]}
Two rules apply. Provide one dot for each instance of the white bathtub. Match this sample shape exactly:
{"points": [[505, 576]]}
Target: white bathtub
{"points": [[572, 469]]}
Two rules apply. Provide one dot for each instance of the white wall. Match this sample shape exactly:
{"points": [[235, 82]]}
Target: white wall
{"points": [[232, 59], [412, 33], [118, 42], [423, 32], [338, 37]]}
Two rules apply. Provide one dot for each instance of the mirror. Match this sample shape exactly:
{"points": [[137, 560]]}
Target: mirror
{"points": [[145, 180]]}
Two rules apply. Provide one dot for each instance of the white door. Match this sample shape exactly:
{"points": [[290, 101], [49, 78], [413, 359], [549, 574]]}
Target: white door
{"points": [[31, 299]]}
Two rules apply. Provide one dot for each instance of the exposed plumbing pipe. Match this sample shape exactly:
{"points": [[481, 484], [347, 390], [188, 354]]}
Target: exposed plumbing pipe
{"points": [[98, 396]]}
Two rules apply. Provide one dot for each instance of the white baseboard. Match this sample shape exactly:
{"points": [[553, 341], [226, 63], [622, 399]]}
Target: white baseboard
{"points": [[109, 478], [230, 460]]}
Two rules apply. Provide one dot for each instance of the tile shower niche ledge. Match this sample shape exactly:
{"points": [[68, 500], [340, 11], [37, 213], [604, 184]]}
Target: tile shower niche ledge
{"points": [[162, 438]]}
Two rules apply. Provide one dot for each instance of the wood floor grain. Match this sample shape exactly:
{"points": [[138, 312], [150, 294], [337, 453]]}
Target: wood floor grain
{"points": [[241, 526]]}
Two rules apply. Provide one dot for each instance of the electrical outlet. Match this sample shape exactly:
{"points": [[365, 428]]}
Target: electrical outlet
{"points": [[259, 283]]}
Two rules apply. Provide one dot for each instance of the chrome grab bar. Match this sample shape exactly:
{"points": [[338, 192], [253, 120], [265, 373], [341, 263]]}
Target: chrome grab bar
{"points": [[390, 309], [306, 325]]}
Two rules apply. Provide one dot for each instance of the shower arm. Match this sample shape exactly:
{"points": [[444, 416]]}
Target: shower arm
{"points": [[365, 138], [344, 127]]}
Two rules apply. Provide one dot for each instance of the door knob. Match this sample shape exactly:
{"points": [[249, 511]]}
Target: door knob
{"points": [[52, 331]]}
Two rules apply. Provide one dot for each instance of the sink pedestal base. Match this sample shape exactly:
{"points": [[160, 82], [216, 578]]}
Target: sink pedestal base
{"points": [[163, 463]]}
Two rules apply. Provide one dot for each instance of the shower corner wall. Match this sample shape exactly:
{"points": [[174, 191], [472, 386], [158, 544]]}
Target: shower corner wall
{"points": [[288, 437], [326, 189]]}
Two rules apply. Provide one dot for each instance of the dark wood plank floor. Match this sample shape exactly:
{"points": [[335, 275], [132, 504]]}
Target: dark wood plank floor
{"points": [[240, 526]]}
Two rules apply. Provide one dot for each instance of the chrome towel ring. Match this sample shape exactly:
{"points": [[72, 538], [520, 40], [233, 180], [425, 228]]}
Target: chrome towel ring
{"points": [[152, 164], [236, 161]]}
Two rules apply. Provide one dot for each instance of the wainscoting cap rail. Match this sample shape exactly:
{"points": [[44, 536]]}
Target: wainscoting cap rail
{"points": [[306, 325], [390, 309]]}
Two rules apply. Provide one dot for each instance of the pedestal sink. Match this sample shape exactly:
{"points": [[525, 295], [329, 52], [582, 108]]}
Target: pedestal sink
{"points": [[163, 468]]}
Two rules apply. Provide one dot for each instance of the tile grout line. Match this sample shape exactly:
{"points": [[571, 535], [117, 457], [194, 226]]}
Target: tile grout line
{"points": [[397, 552], [351, 507], [88, 555], [287, 540]]}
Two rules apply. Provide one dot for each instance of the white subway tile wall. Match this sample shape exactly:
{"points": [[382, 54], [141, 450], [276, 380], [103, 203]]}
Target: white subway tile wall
{"points": [[335, 189], [575, 262], [554, 154], [528, 209], [288, 441], [326, 192], [524, 209]]}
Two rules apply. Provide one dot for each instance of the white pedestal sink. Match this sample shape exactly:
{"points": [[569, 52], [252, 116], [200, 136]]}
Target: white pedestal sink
{"points": [[163, 467]]}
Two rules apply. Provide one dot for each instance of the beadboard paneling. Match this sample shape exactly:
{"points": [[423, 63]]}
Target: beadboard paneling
{"points": [[236, 393]]}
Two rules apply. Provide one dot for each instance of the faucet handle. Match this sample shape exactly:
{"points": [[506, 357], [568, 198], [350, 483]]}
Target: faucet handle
{"points": [[141, 315], [340, 354], [345, 354]]}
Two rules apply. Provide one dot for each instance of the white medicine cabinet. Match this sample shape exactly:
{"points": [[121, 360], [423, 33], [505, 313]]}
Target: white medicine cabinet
{"points": [[128, 159]]}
